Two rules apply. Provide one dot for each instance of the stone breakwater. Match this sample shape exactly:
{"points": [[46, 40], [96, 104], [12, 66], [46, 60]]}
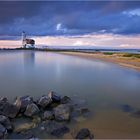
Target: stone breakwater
{"points": [[49, 113]]}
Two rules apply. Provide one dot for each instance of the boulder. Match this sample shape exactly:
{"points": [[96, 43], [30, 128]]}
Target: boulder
{"points": [[22, 102], [3, 132], [3, 103], [48, 115], [54, 97], [54, 128], [3, 99], [8, 109], [80, 111], [136, 114], [65, 100], [126, 108], [32, 109], [84, 134], [62, 112], [59, 132], [5, 122], [24, 127], [44, 101]]}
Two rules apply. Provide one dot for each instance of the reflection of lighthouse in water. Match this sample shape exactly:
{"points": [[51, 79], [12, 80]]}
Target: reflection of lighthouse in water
{"points": [[27, 43], [29, 59]]}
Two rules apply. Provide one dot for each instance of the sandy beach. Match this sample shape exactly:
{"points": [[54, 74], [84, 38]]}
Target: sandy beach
{"points": [[118, 58]]}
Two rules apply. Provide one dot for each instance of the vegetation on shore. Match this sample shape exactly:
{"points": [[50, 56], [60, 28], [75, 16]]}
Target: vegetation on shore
{"points": [[108, 53], [131, 55]]}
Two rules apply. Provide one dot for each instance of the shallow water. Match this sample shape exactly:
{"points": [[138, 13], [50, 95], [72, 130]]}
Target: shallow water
{"points": [[104, 86]]}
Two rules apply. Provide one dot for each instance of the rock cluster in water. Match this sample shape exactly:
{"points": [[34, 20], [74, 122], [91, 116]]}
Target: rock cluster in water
{"points": [[46, 113]]}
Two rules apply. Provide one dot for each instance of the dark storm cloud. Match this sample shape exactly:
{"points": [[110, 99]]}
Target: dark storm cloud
{"points": [[80, 17]]}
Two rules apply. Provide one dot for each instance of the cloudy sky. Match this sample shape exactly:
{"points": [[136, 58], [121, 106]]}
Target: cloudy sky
{"points": [[71, 23]]}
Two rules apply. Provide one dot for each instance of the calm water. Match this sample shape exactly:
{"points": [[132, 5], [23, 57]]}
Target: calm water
{"points": [[103, 86]]}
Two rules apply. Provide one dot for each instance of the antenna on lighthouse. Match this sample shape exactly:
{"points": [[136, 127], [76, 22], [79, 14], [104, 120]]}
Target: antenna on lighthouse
{"points": [[23, 39]]}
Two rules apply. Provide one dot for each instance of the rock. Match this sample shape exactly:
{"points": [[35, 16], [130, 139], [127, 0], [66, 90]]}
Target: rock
{"points": [[5, 122], [59, 132], [126, 108], [32, 109], [8, 110], [24, 127], [84, 134], [80, 119], [29, 135], [36, 119], [3, 99], [62, 112], [136, 114], [55, 98], [65, 100], [54, 128], [22, 102], [80, 111], [3, 103], [3, 132], [48, 115], [44, 101]]}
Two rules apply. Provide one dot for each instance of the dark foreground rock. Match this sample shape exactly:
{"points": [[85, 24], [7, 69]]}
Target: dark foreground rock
{"points": [[54, 128], [5, 122], [23, 102], [32, 109], [24, 127], [136, 114], [126, 108], [59, 132], [48, 115], [7, 109], [44, 101], [62, 112], [3, 132], [65, 100], [54, 97], [84, 134]]}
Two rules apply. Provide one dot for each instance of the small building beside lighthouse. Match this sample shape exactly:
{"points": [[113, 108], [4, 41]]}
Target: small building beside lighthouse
{"points": [[26, 42]]}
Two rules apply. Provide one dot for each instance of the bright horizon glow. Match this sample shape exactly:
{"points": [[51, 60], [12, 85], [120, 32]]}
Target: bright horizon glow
{"points": [[80, 41]]}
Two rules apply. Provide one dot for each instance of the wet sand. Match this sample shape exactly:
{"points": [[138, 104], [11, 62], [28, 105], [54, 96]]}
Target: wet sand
{"points": [[118, 58], [113, 124]]}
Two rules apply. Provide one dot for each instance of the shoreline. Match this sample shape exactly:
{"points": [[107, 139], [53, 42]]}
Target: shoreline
{"points": [[123, 59], [116, 58]]}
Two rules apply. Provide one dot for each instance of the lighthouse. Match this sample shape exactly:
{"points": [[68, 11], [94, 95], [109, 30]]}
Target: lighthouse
{"points": [[23, 39], [27, 43]]}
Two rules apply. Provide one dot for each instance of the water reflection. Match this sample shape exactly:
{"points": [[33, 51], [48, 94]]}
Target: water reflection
{"points": [[29, 59]]}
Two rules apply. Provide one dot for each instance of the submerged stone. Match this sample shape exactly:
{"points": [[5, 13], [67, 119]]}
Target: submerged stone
{"points": [[126, 108], [59, 132], [65, 100], [84, 134], [48, 115], [24, 127], [136, 114], [3, 132], [54, 128], [5, 122], [62, 112]]}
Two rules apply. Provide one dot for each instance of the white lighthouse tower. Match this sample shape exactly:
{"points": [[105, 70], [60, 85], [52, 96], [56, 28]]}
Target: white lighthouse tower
{"points": [[23, 39], [26, 42]]}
